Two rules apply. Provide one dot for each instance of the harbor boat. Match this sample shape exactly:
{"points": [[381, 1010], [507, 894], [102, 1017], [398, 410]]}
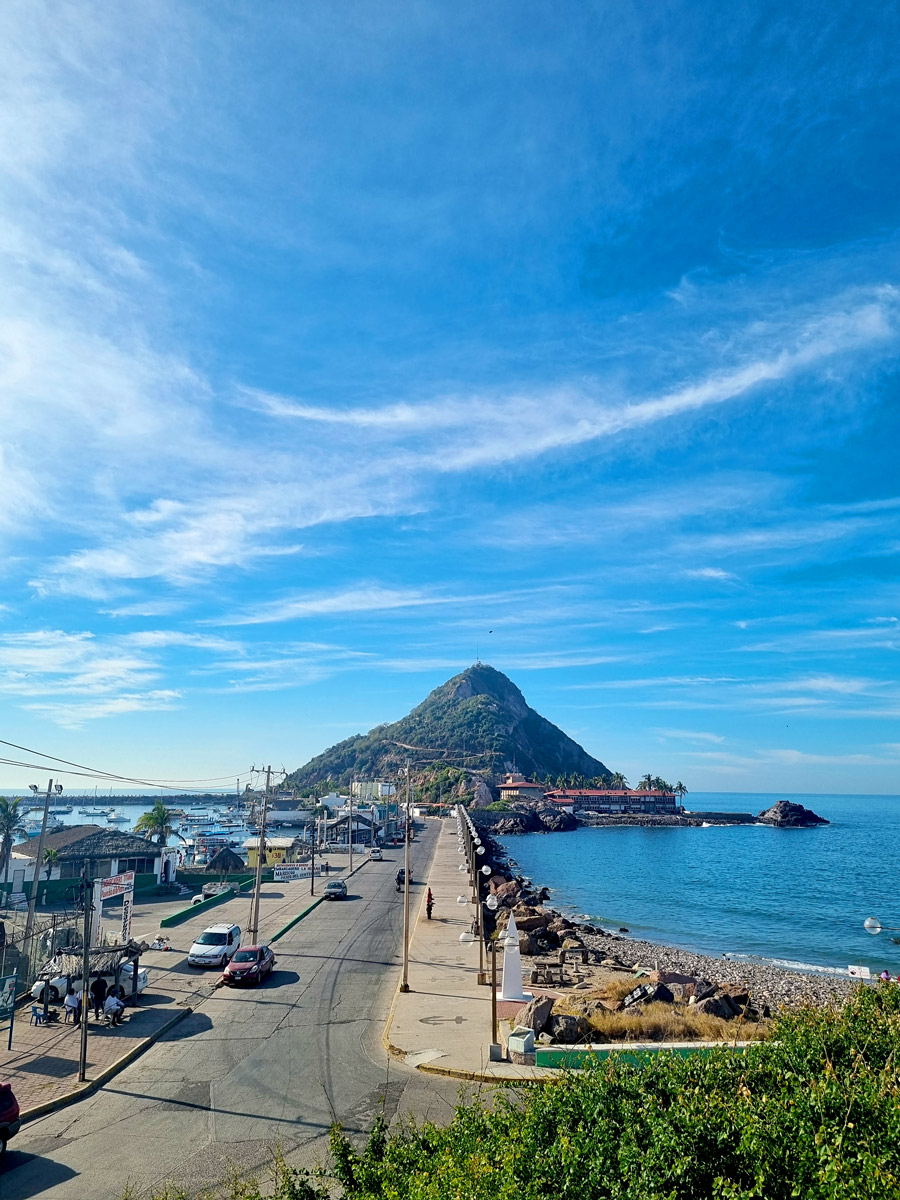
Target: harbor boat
{"points": [[118, 819]]}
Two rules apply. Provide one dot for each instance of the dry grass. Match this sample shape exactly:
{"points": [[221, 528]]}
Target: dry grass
{"points": [[654, 1022]]}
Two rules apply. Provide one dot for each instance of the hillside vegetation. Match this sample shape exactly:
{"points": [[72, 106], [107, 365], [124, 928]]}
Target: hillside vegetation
{"points": [[476, 725]]}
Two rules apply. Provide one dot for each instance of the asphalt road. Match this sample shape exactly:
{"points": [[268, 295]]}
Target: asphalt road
{"points": [[251, 1068]]}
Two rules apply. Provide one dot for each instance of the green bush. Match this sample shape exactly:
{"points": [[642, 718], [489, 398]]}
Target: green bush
{"points": [[814, 1113]]}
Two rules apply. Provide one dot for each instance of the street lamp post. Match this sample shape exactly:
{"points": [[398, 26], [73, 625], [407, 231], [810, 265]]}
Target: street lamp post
{"points": [[404, 983]]}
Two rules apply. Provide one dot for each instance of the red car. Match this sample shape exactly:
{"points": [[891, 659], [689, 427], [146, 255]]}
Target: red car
{"points": [[249, 965], [9, 1116]]}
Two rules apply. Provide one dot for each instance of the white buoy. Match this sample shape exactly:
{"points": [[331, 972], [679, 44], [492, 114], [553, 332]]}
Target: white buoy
{"points": [[512, 965]]}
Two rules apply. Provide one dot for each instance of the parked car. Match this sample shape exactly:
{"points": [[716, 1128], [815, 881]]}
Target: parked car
{"points": [[9, 1116], [336, 890], [59, 983], [215, 947], [250, 964], [375, 854]]}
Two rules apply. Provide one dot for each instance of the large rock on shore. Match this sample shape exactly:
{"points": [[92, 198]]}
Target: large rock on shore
{"points": [[787, 815]]}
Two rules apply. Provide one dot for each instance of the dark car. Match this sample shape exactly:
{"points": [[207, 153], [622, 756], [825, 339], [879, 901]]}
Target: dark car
{"points": [[9, 1116], [401, 878], [250, 964], [336, 890]]}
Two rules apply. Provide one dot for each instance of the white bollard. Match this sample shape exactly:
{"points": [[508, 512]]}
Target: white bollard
{"points": [[512, 965]]}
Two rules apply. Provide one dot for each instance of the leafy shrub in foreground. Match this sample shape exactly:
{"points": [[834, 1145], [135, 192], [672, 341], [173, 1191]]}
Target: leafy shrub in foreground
{"points": [[813, 1113]]}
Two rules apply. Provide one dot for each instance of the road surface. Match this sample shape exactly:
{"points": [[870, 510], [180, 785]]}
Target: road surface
{"points": [[251, 1068]]}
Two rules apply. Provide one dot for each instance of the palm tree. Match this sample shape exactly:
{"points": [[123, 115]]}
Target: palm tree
{"points": [[645, 783], [680, 791], [11, 818], [617, 780], [51, 858], [157, 823]]}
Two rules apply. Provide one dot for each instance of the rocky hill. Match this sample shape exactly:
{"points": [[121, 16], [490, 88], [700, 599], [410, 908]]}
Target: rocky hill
{"points": [[476, 726]]}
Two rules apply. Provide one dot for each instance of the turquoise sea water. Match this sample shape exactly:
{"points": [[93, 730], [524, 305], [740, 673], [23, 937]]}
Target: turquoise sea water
{"points": [[793, 896]]}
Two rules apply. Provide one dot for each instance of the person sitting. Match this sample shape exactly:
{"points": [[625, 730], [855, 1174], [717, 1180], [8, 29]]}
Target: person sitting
{"points": [[113, 1008], [98, 995], [885, 975], [72, 1004]]}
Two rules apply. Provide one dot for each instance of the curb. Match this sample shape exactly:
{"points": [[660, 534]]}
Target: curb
{"points": [[306, 911], [92, 1085], [294, 920]]}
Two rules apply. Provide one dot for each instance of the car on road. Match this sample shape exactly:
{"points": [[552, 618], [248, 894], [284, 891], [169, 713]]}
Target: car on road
{"points": [[215, 947], [336, 890], [375, 854], [250, 964], [400, 879], [59, 983], [9, 1116]]}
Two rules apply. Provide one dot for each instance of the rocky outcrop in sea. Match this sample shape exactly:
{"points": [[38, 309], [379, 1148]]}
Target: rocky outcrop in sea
{"points": [[787, 815]]}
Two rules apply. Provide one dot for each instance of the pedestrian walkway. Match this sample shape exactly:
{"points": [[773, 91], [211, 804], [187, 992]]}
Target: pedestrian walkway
{"points": [[443, 1024], [43, 1063]]}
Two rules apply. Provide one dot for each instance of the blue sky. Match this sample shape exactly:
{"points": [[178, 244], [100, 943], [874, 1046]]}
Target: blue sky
{"points": [[339, 343]]}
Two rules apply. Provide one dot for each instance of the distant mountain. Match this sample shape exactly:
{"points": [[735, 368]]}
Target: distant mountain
{"points": [[475, 726]]}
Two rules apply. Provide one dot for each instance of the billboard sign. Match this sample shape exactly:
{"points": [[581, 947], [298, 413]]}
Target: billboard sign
{"points": [[116, 885], [286, 872], [859, 972], [127, 905]]}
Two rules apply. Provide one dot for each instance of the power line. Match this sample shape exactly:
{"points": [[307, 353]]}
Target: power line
{"points": [[95, 773]]}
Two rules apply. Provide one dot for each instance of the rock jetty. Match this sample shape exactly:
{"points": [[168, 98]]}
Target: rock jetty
{"points": [[787, 815]]}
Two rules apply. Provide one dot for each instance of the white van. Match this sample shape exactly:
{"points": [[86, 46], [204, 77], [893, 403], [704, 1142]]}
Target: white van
{"points": [[215, 946]]}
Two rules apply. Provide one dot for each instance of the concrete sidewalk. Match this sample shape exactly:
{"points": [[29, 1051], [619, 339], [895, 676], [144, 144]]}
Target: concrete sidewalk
{"points": [[443, 1024], [43, 1063]]}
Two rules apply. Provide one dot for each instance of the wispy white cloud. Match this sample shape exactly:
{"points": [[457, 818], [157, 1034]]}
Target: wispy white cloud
{"points": [[691, 735], [708, 573]]}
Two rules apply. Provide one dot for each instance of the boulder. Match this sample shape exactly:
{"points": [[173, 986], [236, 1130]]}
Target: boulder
{"points": [[529, 918], [568, 1029], [555, 820], [560, 925], [573, 943], [670, 977], [536, 1013], [507, 893], [527, 944], [716, 1006], [787, 815], [660, 994], [737, 994], [698, 989]]}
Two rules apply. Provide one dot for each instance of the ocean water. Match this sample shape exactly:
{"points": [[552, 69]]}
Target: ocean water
{"points": [[793, 896]]}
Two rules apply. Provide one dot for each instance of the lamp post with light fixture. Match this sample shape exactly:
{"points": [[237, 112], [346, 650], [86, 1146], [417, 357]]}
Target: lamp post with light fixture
{"points": [[29, 920]]}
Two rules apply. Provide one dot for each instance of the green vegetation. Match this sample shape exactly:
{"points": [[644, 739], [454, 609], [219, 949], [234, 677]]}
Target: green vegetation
{"points": [[813, 1113], [157, 823], [475, 726], [12, 816]]}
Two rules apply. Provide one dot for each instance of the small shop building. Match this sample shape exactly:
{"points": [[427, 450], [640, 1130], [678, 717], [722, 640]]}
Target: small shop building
{"points": [[103, 852]]}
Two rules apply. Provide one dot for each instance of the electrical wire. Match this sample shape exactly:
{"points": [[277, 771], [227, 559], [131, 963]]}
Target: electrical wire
{"points": [[94, 773]]}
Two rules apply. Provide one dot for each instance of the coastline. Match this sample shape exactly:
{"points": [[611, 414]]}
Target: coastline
{"points": [[768, 982]]}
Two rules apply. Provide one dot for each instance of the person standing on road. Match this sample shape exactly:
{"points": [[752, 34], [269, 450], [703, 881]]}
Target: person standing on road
{"points": [[98, 995], [429, 904]]}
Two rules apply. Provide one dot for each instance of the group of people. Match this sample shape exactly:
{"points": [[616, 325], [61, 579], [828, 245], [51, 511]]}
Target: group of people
{"points": [[885, 977], [107, 1002]]}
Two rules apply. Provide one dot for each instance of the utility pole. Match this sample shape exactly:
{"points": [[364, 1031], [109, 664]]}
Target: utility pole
{"points": [[312, 862], [87, 895], [260, 855], [29, 920], [404, 985], [350, 827]]}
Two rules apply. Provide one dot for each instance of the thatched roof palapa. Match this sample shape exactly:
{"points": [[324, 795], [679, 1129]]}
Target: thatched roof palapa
{"points": [[226, 860], [102, 960]]}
